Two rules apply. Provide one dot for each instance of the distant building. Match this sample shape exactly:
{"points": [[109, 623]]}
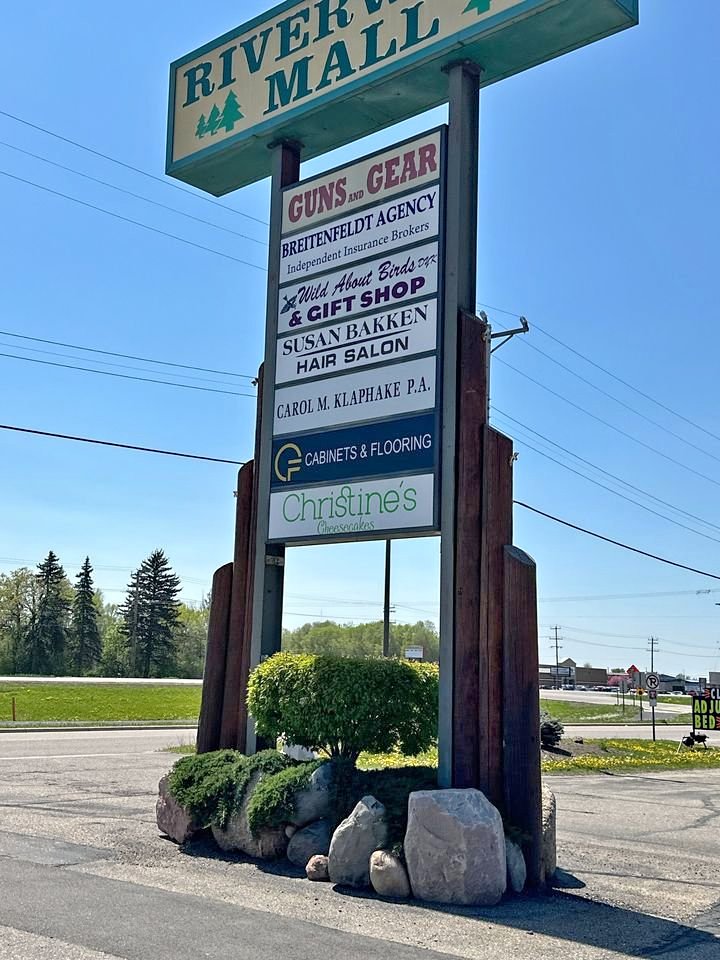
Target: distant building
{"points": [[568, 673]]}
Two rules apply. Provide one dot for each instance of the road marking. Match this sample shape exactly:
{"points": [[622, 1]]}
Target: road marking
{"points": [[80, 756]]}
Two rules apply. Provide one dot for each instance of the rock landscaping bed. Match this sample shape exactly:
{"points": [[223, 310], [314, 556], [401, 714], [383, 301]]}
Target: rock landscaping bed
{"points": [[389, 830]]}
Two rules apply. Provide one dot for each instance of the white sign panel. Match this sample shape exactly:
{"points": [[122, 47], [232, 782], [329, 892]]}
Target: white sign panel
{"points": [[378, 284], [375, 178], [397, 223], [394, 335], [385, 392], [353, 510]]}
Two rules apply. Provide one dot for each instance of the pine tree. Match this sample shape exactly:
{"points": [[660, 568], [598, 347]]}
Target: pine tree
{"points": [[213, 123], [150, 616], [47, 637], [85, 628], [202, 127], [231, 113]]}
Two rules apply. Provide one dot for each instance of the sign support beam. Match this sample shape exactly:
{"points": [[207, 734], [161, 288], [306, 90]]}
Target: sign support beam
{"points": [[460, 296], [269, 560]]}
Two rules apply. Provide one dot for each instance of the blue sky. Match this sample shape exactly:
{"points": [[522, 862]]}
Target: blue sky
{"points": [[598, 221]]}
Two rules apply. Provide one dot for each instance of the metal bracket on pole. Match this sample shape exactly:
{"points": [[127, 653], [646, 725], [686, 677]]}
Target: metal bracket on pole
{"points": [[507, 335]]}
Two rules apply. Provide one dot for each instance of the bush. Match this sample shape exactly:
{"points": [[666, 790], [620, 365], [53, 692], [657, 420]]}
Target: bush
{"points": [[211, 786], [273, 801], [551, 730], [345, 706]]}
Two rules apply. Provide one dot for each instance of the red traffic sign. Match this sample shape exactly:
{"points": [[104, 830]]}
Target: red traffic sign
{"points": [[652, 694], [633, 669]]}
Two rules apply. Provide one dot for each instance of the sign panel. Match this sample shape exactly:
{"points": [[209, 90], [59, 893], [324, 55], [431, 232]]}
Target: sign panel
{"points": [[393, 335], [378, 284], [394, 224], [353, 511], [375, 449], [415, 653], [356, 390], [652, 681], [382, 392], [706, 710], [329, 72]]}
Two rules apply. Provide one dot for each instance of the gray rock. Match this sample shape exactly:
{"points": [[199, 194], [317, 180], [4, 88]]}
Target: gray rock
{"points": [[311, 841], [455, 848], [388, 876], [314, 802], [549, 834], [296, 752], [516, 867], [290, 831], [270, 844], [317, 869], [355, 840], [172, 819]]}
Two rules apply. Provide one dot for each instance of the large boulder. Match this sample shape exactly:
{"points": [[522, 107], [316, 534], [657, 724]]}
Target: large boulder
{"points": [[388, 876], [354, 842], [172, 819], [549, 834], [311, 841], [237, 837], [314, 802], [516, 867], [455, 848]]}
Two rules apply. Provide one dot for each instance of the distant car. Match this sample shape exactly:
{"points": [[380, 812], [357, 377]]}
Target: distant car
{"points": [[581, 687]]}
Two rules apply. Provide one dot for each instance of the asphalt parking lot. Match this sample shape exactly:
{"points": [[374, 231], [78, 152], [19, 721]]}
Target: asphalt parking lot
{"points": [[85, 874]]}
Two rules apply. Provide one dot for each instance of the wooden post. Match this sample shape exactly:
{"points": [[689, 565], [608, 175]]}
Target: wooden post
{"points": [[471, 749], [211, 708], [523, 785], [234, 710], [497, 533]]}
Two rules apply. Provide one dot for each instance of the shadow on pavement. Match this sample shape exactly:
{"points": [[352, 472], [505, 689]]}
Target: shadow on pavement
{"points": [[576, 919]]}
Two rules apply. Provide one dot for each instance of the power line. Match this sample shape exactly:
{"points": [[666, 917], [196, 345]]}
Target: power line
{"points": [[606, 423], [616, 543], [110, 363], [630, 596], [621, 403], [126, 376], [137, 223], [609, 373], [622, 496], [120, 446], [129, 193], [126, 356], [594, 466], [129, 166]]}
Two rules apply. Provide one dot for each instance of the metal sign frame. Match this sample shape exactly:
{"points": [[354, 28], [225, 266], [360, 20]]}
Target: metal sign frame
{"points": [[434, 528]]}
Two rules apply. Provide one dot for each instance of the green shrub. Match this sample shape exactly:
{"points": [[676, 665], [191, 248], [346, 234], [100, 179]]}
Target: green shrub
{"points": [[273, 801], [551, 730], [211, 786], [344, 706]]}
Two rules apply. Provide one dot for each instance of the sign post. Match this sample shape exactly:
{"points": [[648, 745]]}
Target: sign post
{"points": [[652, 682]]}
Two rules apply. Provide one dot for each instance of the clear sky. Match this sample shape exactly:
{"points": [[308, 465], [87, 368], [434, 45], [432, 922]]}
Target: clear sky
{"points": [[598, 221]]}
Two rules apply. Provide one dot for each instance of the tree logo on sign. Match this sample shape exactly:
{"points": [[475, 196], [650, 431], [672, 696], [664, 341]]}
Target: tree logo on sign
{"points": [[480, 6], [218, 119]]}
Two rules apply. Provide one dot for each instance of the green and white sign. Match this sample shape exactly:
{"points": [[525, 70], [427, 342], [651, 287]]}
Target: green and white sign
{"points": [[328, 72]]}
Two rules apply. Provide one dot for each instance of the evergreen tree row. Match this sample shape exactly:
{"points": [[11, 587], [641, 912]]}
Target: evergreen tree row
{"points": [[49, 626]]}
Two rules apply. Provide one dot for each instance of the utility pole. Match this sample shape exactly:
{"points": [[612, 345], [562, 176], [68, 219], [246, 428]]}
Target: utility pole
{"points": [[386, 610], [558, 648]]}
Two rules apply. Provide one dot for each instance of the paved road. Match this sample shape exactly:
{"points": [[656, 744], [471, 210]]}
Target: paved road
{"points": [[85, 875]]}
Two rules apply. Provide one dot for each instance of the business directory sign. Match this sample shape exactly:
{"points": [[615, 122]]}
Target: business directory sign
{"points": [[356, 451]]}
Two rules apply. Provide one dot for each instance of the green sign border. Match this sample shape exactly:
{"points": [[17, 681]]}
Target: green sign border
{"points": [[508, 43]]}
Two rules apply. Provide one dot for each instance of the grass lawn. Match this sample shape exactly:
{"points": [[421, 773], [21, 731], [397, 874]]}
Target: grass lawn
{"points": [[629, 756], [97, 703], [571, 712]]}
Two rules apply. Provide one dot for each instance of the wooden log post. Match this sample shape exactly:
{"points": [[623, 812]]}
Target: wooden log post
{"points": [[234, 709], [213, 690], [497, 533], [523, 785]]}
